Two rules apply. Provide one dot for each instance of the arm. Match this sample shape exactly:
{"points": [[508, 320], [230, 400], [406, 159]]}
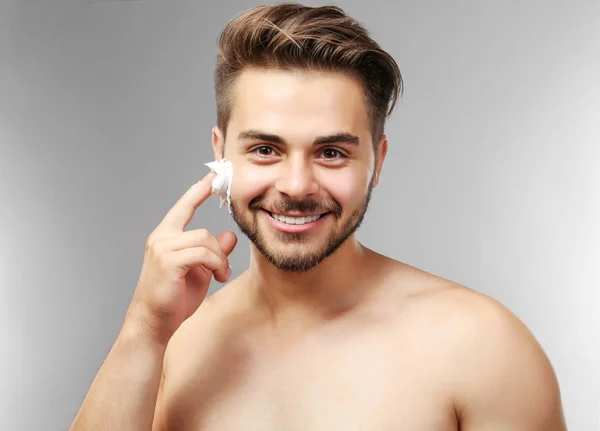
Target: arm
{"points": [[176, 273], [508, 383], [123, 395]]}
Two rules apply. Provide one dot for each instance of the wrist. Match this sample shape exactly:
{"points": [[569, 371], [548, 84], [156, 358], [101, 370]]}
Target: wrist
{"points": [[138, 330]]}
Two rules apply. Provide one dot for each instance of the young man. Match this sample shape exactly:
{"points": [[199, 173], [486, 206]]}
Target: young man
{"points": [[320, 332]]}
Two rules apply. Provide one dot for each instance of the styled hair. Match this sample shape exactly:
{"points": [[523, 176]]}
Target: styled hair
{"points": [[291, 36]]}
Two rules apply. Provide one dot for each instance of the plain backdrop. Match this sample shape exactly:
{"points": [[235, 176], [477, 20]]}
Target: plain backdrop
{"points": [[106, 107]]}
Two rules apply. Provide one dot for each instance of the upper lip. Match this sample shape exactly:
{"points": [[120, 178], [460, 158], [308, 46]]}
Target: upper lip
{"points": [[295, 214]]}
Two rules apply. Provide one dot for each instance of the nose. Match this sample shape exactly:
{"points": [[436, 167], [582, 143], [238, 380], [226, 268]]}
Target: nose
{"points": [[296, 178]]}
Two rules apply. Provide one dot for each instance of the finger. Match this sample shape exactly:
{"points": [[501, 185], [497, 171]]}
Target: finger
{"points": [[188, 258], [197, 275], [178, 217], [196, 238], [198, 281], [227, 240], [198, 259]]}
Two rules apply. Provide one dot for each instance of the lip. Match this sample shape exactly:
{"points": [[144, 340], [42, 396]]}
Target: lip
{"points": [[296, 214], [293, 228]]}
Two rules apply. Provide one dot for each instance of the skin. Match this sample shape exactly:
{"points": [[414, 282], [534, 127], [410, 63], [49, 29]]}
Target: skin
{"points": [[353, 341]]}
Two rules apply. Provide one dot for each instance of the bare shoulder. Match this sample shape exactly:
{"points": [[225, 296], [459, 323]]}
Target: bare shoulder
{"points": [[205, 331], [462, 307], [203, 357], [499, 373]]}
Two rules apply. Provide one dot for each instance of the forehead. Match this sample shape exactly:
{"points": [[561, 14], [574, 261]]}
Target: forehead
{"points": [[298, 104]]}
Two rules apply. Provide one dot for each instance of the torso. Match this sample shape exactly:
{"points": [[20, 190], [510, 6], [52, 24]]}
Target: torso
{"points": [[386, 368]]}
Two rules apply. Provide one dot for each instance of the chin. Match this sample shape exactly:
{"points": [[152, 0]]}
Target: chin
{"points": [[298, 251], [293, 262]]}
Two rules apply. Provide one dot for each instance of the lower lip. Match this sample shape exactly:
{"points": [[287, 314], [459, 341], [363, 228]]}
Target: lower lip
{"points": [[293, 228]]}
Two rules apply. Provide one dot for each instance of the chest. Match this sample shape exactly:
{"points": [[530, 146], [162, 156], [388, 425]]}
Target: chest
{"points": [[335, 386]]}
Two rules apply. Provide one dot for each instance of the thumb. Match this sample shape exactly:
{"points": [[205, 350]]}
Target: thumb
{"points": [[228, 241]]}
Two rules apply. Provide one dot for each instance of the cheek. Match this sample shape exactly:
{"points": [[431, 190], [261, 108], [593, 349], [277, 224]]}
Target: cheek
{"points": [[346, 186], [249, 181]]}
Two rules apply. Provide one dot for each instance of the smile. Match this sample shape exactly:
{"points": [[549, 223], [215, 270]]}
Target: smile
{"points": [[296, 220], [289, 224]]}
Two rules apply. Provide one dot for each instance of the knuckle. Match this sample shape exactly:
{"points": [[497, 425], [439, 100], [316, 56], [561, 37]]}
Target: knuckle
{"points": [[203, 234], [208, 258], [155, 249], [163, 261], [150, 240]]}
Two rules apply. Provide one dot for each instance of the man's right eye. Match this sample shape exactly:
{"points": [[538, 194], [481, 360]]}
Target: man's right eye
{"points": [[264, 150]]}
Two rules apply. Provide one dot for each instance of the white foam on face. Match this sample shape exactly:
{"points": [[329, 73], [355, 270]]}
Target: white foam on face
{"points": [[221, 185]]}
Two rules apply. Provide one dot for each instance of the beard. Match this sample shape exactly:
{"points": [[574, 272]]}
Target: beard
{"points": [[286, 252]]}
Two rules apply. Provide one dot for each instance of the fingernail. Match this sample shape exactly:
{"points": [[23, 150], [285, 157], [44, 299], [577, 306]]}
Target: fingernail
{"points": [[229, 271]]}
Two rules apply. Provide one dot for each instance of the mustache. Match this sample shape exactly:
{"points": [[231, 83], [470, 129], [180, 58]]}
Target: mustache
{"points": [[304, 206]]}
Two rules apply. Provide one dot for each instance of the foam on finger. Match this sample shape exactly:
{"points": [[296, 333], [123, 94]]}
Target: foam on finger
{"points": [[221, 184]]}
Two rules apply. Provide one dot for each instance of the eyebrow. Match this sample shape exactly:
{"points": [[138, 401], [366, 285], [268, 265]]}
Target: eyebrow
{"points": [[337, 138]]}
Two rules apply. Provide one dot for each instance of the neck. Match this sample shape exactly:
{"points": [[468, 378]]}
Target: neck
{"points": [[298, 301]]}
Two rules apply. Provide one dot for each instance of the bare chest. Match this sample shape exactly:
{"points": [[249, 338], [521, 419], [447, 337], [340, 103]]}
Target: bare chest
{"points": [[359, 384]]}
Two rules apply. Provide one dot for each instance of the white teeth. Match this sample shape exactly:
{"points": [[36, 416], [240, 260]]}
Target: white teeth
{"points": [[295, 220]]}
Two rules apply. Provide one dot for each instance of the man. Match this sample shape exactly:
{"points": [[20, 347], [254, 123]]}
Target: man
{"points": [[320, 332]]}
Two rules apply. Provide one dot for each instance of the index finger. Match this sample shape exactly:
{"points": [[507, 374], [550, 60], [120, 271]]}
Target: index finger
{"points": [[178, 217]]}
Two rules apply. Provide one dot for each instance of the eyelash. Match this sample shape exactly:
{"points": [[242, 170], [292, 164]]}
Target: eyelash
{"points": [[340, 153]]}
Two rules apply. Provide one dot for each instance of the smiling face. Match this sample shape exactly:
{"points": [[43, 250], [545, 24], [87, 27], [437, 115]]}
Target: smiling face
{"points": [[304, 164]]}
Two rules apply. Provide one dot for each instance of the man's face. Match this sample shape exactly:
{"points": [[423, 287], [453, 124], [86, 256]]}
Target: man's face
{"points": [[303, 162]]}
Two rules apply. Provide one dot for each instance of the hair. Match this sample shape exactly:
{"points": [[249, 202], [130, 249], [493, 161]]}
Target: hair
{"points": [[291, 36]]}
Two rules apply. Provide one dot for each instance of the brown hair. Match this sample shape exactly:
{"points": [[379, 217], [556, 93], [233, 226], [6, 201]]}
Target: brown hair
{"points": [[292, 36]]}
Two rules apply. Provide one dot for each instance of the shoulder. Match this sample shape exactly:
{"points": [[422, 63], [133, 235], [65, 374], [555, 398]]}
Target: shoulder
{"points": [[497, 369], [466, 315], [211, 328]]}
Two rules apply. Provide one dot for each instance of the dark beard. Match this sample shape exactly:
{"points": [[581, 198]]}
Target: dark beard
{"points": [[305, 261]]}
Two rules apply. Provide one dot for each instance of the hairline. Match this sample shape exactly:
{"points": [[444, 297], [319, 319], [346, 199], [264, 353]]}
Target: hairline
{"points": [[353, 75]]}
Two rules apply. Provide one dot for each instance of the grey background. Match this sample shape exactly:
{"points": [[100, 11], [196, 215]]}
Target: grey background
{"points": [[106, 108]]}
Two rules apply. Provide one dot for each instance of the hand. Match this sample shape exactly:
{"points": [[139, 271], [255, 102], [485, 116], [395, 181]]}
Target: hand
{"points": [[178, 267]]}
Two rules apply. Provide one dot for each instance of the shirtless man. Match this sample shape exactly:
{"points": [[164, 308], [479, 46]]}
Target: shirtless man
{"points": [[320, 333]]}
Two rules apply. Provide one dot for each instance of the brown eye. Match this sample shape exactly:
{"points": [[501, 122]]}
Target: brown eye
{"points": [[265, 151], [331, 153]]}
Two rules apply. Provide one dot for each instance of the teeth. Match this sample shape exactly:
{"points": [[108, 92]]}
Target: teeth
{"points": [[295, 220]]}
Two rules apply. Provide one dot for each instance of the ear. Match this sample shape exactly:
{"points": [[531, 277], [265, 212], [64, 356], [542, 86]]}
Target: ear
{"points": [[218, 143], [380, 153]]}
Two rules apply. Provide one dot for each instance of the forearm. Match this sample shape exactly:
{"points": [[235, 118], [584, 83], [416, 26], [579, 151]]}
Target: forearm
{"points": [[123, 394]]}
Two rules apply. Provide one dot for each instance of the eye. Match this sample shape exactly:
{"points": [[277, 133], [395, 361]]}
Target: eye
{"points": [[332, 153], [263, 150]]}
